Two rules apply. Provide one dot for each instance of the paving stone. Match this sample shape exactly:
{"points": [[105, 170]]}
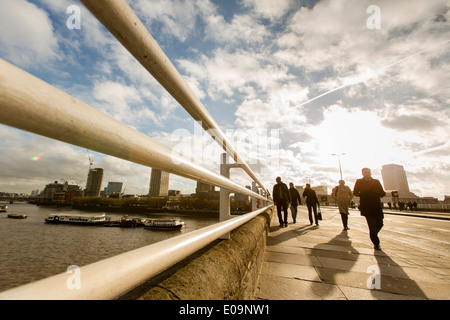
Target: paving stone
{"points": [[306, 262], [280, 288]]}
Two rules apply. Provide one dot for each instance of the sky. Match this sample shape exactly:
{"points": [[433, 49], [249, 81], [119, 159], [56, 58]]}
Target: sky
{"points": [[290, 82]]}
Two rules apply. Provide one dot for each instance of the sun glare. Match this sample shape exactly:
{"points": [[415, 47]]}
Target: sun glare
{"points": [[359, 134]]}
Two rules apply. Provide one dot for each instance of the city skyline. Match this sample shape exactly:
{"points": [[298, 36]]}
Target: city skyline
{"points": [[313, 78], [393, 178]]}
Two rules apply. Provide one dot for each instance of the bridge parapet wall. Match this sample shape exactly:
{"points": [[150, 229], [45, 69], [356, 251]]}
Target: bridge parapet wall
{"points": [[224, 270]]}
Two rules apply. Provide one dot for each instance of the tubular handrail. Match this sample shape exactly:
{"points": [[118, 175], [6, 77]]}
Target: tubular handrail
{"points": [[31, 104], [112, 277], [122, 22]]}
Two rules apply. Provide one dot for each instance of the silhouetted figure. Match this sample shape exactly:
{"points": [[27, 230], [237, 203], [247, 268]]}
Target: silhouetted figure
{"points": [[370, 191], [281, 198], [295, 201], [311, 203], [409, 205], [343, 196]]}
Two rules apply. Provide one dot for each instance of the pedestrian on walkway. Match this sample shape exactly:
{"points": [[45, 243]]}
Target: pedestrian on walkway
{"points": [[295, 201], [370, 191], [311, 203], [281, 198], [343, 195]]}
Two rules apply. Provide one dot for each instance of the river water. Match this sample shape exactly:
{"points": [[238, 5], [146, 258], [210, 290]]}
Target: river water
{"points": [[31, 249]]}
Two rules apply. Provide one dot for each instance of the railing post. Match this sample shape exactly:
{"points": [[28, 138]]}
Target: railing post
{"points": [[254, 200], [224, 211], [265, 202], [225, 207]]}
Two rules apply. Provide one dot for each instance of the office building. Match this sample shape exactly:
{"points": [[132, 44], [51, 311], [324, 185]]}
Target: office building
{"points": [[159, 183], [203, 187], [205, 190], [114, 187], [58, 193], [394, 177], [94, 182]]}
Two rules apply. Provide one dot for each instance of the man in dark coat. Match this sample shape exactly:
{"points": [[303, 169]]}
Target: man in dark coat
{"points": [[281, 198], [295, 201], [311, 203], [370, 191]]}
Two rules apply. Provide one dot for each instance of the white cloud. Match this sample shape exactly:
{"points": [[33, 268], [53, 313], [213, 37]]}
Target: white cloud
{"points": [[178, 17], [333, 36], [118, 98], [123, 103], [242, 30], [26, 34], [34, 161], [269, 8], [277, 109], [226, 73]]}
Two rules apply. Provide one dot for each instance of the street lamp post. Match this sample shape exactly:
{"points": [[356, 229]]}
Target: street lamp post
{"points": [[339, 159]]}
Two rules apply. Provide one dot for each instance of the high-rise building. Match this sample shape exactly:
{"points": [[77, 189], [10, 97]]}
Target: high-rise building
{"points": [[94, 182], [203, 187], [204, 190], [114, 187], [159, 183], [394, 177]]}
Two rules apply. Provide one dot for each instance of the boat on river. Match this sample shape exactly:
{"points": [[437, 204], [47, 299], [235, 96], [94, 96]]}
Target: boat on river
{"points": [[81, 219], [16, 216], [126, 222], [164, 224], [3, 208]]}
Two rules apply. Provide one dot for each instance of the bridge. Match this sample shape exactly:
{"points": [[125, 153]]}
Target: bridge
{"points": [[240, 257], [30, 104]]}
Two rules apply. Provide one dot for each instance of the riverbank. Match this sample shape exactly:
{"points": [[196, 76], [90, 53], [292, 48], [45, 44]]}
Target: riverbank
{"points": [[149, 205], [144, 210]]}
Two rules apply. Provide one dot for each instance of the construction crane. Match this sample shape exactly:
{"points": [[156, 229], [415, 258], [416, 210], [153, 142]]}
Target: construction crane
{"points": [[91, 162]]}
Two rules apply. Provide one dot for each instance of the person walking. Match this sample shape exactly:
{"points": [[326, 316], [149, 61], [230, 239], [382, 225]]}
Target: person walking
{"points": [[294, 203], [281, 198], [311, 203], [343, 195], [370, 191]]}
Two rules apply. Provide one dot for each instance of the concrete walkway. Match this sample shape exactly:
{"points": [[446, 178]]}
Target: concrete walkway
{"points": [[304, 262]]}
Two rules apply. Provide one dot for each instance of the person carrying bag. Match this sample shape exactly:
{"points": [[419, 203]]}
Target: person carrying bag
{"points": [[343, 195]]}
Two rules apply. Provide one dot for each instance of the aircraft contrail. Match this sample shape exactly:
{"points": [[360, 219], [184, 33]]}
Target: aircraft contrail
{"points": [[376, 74], [357, 82]]}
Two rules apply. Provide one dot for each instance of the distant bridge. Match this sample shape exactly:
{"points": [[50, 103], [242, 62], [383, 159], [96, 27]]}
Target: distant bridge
{"points": [[14, 198]]}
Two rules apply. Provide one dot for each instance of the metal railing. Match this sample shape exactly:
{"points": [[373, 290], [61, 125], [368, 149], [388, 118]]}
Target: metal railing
{"points": [[31, 104], [110, 278], [122, 22]]}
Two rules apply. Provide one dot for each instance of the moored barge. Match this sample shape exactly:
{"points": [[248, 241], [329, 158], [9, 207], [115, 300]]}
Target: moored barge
{"points": [[164, 224], [82, 219]]}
